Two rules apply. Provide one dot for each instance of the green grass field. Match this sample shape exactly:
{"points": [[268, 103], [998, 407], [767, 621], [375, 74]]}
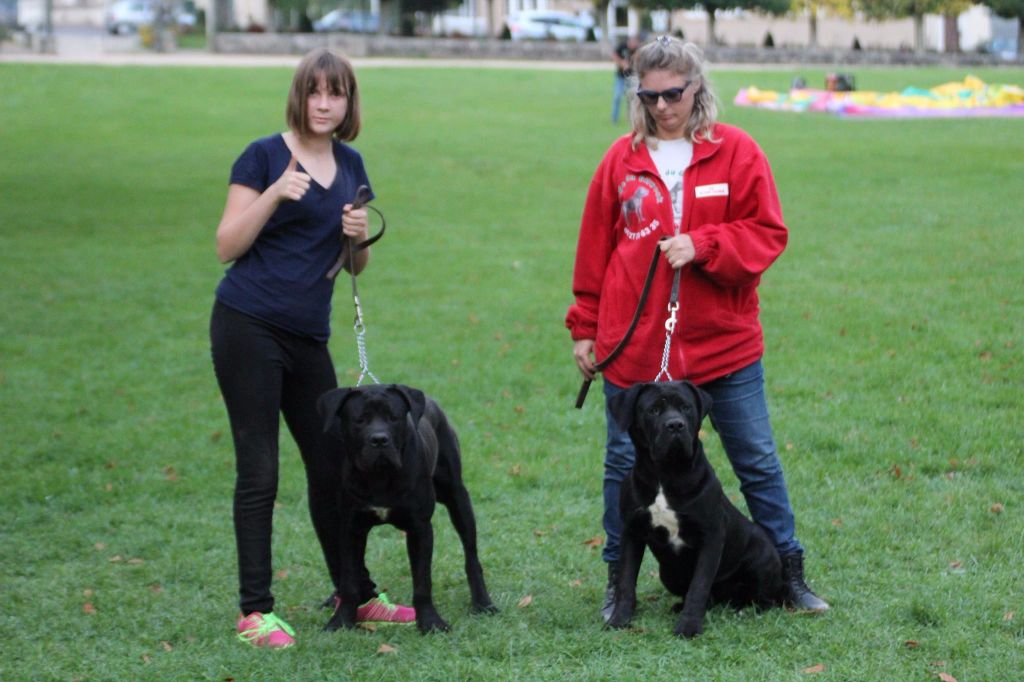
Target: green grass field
{"points": [[894, 329]]}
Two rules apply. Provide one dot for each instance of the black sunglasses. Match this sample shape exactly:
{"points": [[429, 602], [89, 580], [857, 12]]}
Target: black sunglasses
{"points": [[671, 96]]}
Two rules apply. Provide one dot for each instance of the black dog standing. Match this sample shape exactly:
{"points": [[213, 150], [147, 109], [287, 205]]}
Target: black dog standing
{"points": [[672, 502], [396, 456]]}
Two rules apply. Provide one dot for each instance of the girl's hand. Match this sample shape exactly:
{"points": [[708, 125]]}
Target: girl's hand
{"points": [[583, 351], [678, 250], [292, 185], [354, 223]]}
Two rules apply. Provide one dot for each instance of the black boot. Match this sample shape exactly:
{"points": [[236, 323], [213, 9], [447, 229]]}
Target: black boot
{"points": [[609, 593], [799, 594]]}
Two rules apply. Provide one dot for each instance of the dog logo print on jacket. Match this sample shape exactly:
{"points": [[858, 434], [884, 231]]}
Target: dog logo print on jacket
{"points": [[633, 208], [634, 192]]}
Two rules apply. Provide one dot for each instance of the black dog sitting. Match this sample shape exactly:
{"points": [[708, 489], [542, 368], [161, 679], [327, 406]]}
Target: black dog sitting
{"points": [[396, 455], [672, 502]]}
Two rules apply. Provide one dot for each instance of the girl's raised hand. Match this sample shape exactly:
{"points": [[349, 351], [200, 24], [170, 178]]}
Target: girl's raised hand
{"points": [[292, 184]]}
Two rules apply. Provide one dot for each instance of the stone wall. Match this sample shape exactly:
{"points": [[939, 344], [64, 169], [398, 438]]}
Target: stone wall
{"points": [[356, 45]]}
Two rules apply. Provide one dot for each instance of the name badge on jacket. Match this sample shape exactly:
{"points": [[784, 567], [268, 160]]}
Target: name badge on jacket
{"points": [[720, 189]]}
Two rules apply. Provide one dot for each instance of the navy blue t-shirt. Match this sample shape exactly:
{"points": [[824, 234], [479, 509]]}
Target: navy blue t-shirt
{"points": [[282, 279]]}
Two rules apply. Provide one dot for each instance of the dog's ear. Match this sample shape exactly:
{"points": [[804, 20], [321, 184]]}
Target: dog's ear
{"points": [[701, 398], [415, 399], [623, 406], [329, 404]]}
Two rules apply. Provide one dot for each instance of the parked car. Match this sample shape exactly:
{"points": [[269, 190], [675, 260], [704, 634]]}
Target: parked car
{"points": [[1004, 48], [126, 16], [551, 25], [348, 20]]}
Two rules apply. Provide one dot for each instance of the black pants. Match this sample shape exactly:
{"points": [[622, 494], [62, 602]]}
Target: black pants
{"points": [[264, 371]]}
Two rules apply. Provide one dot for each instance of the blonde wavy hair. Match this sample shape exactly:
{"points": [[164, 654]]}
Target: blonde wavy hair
{"points": [[668, 53]]}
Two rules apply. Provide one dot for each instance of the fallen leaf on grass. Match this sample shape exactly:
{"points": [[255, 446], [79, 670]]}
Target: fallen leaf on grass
{"points": [[578, 582], [100, 546], [146, 658], [386, 649], [166, 645], [539, 533], [282, 574], [837, 523], [156, 588], [136, 561], [594, 542], [946, 677], [911, 644], [109, 487], [1008, 616], [515, 470], [88, 608], [525, 601], [115, 559], [820, 668], [87, 593], [170, 473], [997, 508], [369, 627]]}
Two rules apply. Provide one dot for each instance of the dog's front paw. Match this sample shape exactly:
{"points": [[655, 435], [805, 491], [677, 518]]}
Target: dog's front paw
{"points": [[689, 627], [486, 607], [617, 623], [337, 622], [431, 622]]}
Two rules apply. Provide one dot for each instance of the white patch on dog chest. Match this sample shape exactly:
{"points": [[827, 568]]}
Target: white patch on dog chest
{"points": [[662, 516], [381, 512]]}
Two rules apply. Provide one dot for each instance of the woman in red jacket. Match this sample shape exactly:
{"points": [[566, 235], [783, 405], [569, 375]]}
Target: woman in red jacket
{"points": [[706, 191]]}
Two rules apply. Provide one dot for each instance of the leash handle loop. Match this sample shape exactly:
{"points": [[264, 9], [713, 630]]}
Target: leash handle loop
{"points": [[350, 247]]}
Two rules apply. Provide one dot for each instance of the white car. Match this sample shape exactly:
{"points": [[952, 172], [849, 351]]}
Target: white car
{"points": [[126, 16], [347, 20], [551, 25]]}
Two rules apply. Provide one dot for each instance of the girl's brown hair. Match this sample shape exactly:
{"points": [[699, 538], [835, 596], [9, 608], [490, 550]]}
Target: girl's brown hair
{"points": [[341, 80]]}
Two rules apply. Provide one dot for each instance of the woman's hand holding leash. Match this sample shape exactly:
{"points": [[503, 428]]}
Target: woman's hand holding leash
{"points": [[678, 250], [583, 351]]}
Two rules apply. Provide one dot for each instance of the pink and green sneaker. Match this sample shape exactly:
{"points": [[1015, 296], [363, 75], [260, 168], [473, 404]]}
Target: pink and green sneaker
{"points": [[378, 610], [265, 630], [381, 610]]}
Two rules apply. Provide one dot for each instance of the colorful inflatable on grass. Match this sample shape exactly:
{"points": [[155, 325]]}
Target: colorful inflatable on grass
{"points": [[972, 97]]}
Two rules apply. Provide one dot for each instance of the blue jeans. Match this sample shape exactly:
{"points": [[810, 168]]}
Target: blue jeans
{"points": [[739, 414], [617, 95]]}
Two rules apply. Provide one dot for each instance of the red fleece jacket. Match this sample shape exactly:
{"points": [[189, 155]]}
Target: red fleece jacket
{"points": [[731, 210]]}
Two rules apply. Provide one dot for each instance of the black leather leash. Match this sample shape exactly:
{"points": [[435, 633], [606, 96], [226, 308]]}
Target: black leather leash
{"points": [[585, 388], [347, 257]]}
